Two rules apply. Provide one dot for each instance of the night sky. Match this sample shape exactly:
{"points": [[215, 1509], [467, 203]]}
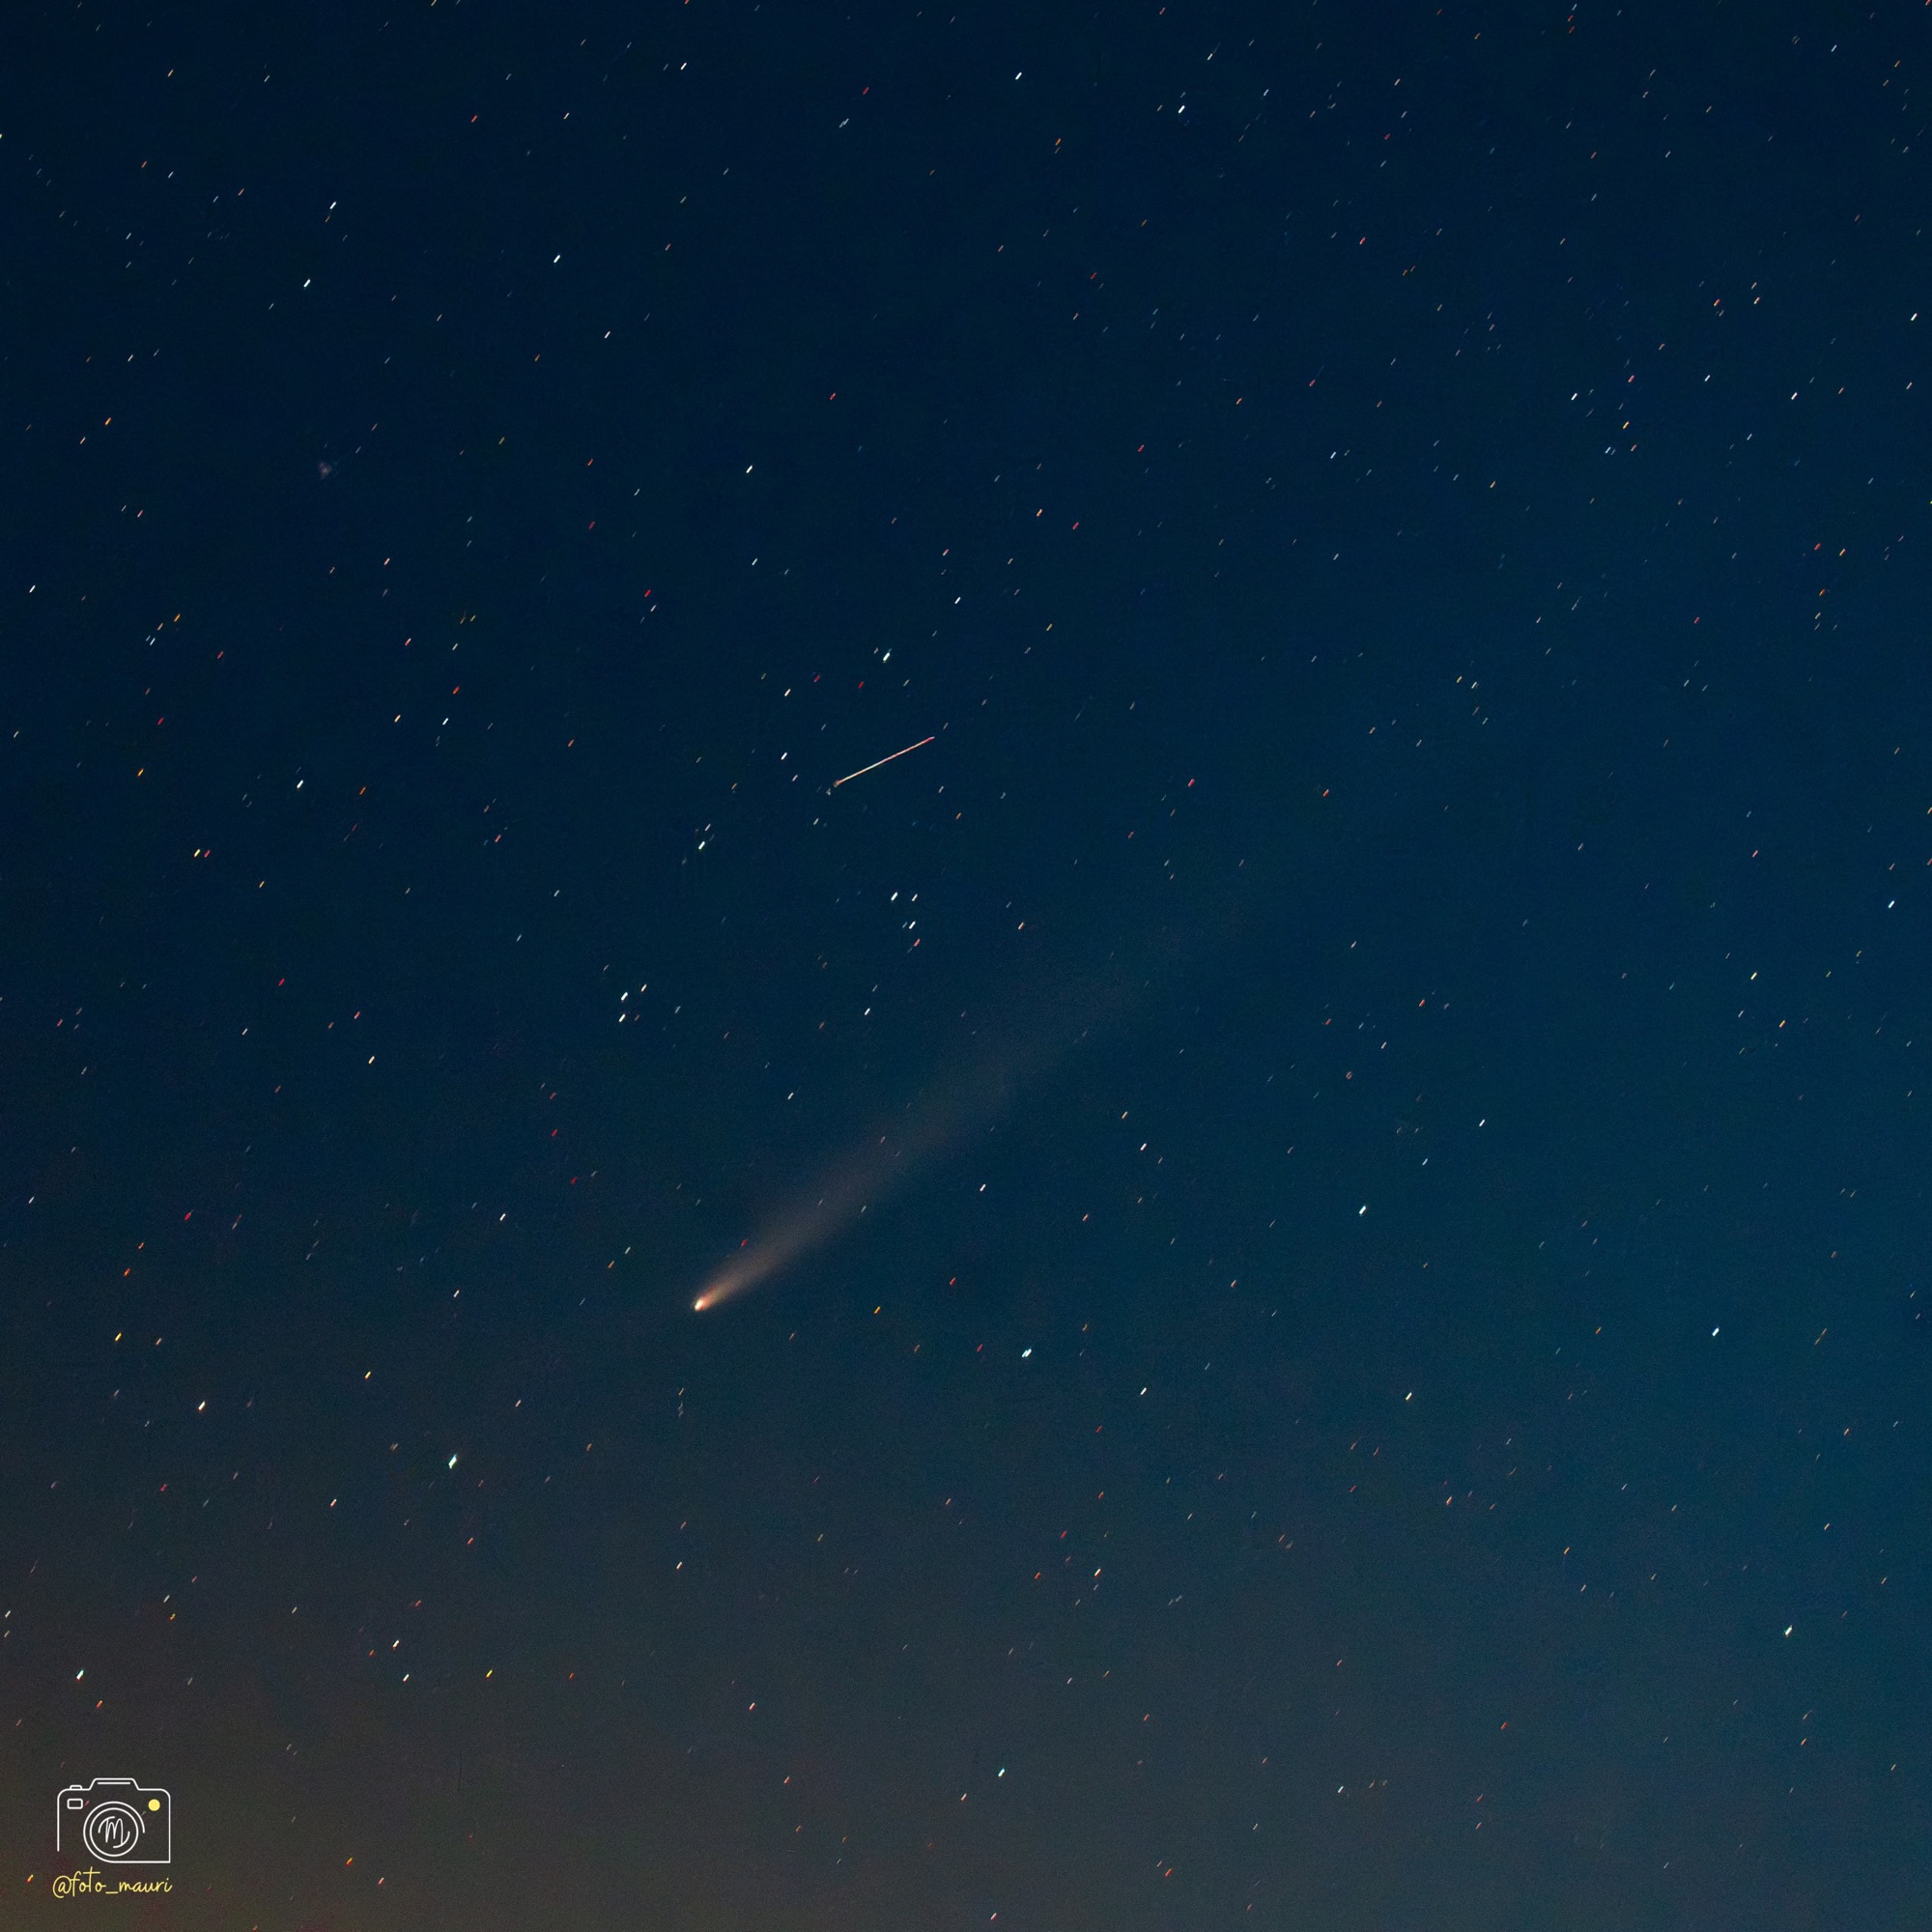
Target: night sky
{"points": [[1313, 1212]]}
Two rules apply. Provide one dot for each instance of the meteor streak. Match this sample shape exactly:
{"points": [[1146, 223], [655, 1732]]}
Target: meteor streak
{"points": [[877, 762]]}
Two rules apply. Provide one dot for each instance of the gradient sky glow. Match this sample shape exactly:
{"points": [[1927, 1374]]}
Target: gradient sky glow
{"points": [[1333, 1159]]}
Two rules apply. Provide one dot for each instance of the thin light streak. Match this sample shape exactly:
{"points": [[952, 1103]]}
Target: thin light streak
{"points": [[886, 760]]}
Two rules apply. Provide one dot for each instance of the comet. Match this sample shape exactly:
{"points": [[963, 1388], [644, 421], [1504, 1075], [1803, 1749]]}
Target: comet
{"points": [[1064, 1012], [886, 760], [1036, 1027], [799, 1232], [859, 1184]]}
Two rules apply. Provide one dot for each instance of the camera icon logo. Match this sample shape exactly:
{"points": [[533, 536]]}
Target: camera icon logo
{"points": [[115, 1820]]}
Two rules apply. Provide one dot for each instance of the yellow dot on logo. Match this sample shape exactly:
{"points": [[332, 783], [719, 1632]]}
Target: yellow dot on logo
{"points": [[154, 1804]]}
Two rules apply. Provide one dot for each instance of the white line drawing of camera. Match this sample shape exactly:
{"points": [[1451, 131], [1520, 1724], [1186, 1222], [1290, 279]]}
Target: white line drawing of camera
{"points": [[115, 1820]]}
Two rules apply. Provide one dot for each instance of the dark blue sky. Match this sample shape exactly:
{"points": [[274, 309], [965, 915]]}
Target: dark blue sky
{"points": [[1334, 1168]]}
